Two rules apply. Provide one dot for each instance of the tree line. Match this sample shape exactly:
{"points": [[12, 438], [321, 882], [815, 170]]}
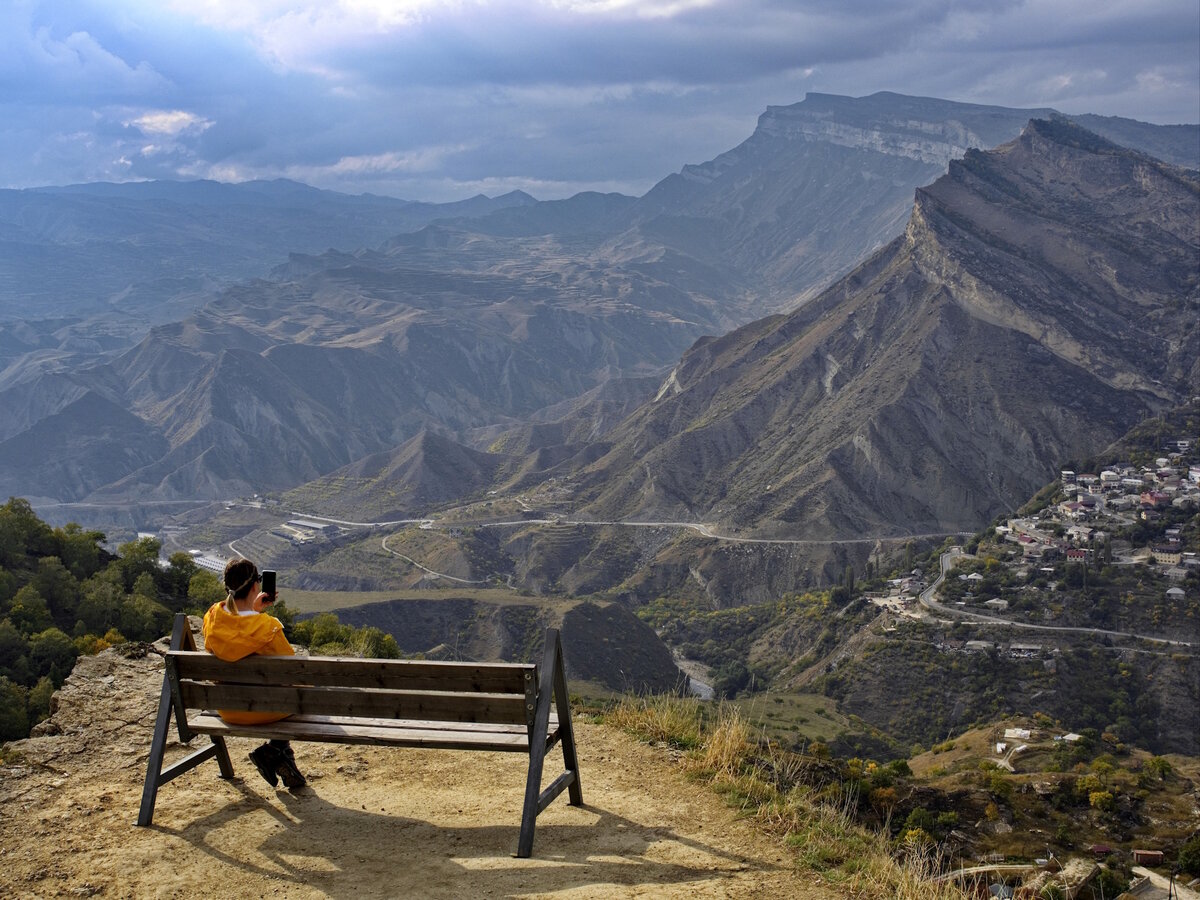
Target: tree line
{"points": [[62, 595]]}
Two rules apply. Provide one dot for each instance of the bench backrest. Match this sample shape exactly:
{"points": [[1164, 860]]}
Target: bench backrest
{"points": [[504, 693]]}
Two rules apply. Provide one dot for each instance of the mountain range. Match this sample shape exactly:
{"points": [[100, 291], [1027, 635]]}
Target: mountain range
{"points": [[923, 391], [1044, 297]]}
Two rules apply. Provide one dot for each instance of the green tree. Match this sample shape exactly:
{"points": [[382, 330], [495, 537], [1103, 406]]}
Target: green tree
{"points": [[29, 612], [372, 643], [12, 643], [52, 653], [287, 618], [8, 587], [22, 534], [1159, 767], [100, 608], [204, 589], [1189, 857], [14, 712], [1000, 786], [80, 550], [59, 588], [144, 586], [143, 618], [1111, 883], [177, 578], [322, 630], [40, 696], [1102, 800], [139, 557]]}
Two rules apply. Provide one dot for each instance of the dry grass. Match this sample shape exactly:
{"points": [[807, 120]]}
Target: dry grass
{"points": [[769, 785], [659, 720]]}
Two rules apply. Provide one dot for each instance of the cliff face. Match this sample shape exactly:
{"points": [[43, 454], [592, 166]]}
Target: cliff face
{"points": [[822, 183], [1043, 299]]}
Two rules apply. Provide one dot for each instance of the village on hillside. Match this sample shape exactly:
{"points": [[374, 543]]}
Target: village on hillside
{"points": [[1117, 548]]}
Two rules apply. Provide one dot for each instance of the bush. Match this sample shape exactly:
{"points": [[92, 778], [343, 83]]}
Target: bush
{"points": [[1189, 857]]}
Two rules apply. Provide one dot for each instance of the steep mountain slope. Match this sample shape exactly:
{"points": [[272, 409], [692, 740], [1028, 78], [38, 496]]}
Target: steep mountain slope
{"points": [[98, 441], [1043, 299], [280, 382], [425, 471]]}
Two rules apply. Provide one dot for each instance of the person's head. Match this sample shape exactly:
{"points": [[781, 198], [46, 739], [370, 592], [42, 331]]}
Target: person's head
{"points": [[241, 577]]}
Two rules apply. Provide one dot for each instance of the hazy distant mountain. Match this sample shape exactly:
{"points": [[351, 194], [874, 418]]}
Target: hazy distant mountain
{"points": [[425, 471], [1044, 297], [88, 248], [280, 382]]}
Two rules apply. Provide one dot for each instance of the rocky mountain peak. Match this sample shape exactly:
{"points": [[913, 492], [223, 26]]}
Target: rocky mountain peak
{"points": [[1042, 300], [928, 131]]}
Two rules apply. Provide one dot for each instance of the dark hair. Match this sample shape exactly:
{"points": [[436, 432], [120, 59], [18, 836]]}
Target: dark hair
{"points": [[240, 576]]}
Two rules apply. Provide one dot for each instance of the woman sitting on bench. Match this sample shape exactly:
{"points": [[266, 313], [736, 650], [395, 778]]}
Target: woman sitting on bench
{"points": [[237, 627]]}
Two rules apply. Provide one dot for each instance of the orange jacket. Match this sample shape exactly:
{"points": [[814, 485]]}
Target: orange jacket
{"points": [[231, 637]]}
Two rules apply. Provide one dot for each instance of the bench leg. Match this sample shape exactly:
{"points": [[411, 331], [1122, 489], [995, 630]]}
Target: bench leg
{"points": [[562, 704], [533, 784], [155, 776], [552, 691], [222, 754], [154, 763]]}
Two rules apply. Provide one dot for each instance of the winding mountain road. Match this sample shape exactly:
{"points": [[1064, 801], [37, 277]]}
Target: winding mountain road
{"points": [[951, 556]]}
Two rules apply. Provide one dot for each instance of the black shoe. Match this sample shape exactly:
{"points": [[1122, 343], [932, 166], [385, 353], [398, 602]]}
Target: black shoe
{"points": [[266, 759], [286, 769]]}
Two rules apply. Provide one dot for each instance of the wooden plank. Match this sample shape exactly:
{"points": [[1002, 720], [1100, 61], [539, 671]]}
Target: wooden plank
{"points": [[350, 732], [433, 724], [356, 702], [337, 671]]}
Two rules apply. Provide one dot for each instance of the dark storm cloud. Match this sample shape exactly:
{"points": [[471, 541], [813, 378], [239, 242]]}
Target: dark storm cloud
{"points": [[429, 99]]}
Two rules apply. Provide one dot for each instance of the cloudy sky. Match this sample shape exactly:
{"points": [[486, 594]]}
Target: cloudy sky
{"points": [[443, 99]]}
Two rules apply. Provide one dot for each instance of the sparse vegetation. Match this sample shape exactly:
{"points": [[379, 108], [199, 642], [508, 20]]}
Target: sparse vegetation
{"points": [[808, 802]]}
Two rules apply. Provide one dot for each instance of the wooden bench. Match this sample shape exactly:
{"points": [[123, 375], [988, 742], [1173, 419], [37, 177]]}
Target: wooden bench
{"points": [[511, 707]]}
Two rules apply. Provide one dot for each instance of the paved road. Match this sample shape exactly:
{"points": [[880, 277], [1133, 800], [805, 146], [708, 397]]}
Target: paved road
{"points": [[951, 556], [409, 559]]}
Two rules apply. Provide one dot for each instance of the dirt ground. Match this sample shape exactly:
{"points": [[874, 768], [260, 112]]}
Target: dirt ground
{"points": [[373, 822]]}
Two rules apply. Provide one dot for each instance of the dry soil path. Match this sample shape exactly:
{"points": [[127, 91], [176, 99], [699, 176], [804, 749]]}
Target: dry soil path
{"points": [[373, 823]]}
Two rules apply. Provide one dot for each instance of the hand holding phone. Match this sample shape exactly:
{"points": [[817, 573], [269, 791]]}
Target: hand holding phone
{"points": [[268, 585]]}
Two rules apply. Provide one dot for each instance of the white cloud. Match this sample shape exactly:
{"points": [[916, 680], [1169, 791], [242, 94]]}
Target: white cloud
{"points": [[642, 9], [297, 34], [425, 98], [424, 160], [170, 122]]}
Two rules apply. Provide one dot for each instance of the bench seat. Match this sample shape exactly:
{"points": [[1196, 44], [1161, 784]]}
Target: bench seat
{"points": [[384, 732]]}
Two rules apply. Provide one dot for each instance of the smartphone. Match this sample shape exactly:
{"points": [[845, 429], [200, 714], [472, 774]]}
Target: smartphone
{"points": [[268, 584]]}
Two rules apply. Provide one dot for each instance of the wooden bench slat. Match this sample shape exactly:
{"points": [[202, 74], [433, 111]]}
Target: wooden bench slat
{"points": [[333, 671], [357, 702], [357, 732], [432, 724]]}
